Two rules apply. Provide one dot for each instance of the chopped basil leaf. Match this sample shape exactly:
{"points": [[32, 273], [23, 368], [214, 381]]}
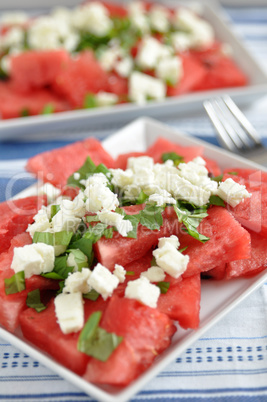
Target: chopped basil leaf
{"points": [[86, 246], [191, 220], [173, 156], [54, 210], [181, 250], [233, 173], [92, 295], [216, 200], [34, 300], [48, 109], [25, 112], [15, 284], [130, 273], [94, 233], [79, 257], [151, 217], [61, 269], [84, 171], [164, 286], [142, 198], [90, 101], [217, 178], [82, 228], [62, 238], [95, 341], [134, 221], [92, 218]]}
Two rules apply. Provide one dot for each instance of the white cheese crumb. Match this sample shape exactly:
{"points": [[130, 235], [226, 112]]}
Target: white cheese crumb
{"points": [[119, 272], [143, 291], [173, 240], [143, 87], [77, 282], [115, 219], [103, 281], [232, 193], [154, 274], [171, 260], [69, 311], [33, 259]]}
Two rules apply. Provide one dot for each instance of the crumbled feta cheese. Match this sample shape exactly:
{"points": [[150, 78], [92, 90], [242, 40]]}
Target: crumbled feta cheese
{"points": [[33, 259], [143, 291], [13, 18], [173, 240], [100, 197], [103, 281], [170, 69], [77, 282], [154, 274], [193, 172], [171, 260], [92, 17], [106, 98], [47, 33], [74, 208], [119, 272], [184, 189], [13, 38], [124, 66], [232, 193], [115, 219], [138, 17], [150, 52], [181, 41], [121, 178], [62, 221], [163, 198], [143, 87], [50, 191], [109, 57], [69, 311], [159, 17], [41, 222], [97, 179], [76, 176], [200, 161], [140, 163]]}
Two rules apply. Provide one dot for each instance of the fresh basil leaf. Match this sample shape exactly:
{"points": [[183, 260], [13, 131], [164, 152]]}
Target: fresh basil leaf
{"points": [[43, 237], [82, 228], [48, 109], [25, 112], [181, 250], [34, 300], [164, 286], [130, 273], [173, 156], [90, 101], [151, 217], [62, 238], [92, 295], [61, 269], [79, 257], [233, 173], [217, 178], [84, 171], [15, 284], [96, 341], [142, 198], [86, 246], [94, 233], [134, 221], [191, 221], [54, 210], [92, 218], [216, 200]]}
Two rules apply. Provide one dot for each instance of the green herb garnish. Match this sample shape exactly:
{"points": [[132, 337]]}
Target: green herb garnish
{"points": [[15, 284], [34, 300]]}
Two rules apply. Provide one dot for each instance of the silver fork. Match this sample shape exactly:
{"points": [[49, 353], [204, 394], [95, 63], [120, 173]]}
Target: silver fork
{"points": [[234, 131]]}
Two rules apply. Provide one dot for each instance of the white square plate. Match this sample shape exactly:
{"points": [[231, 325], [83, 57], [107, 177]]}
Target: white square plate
{"points": [[218, 297], [122, 114]]}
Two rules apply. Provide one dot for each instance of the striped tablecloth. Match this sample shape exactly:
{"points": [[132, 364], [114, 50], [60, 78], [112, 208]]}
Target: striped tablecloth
{"points": [[230, 362]]}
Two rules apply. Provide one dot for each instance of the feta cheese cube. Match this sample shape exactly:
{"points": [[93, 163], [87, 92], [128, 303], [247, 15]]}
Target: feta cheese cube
{"points": [[115, 219], [170, 69], [232, 193], [62, 221], [103, 281], [100, 197], [150, 52], [159, 18], [173, 240], [143, 87], [119, 272], [171, 260], [181, 188], [124, 66], [92, 17], [41, 222], [140, 163], [33, 259], [143, 291], [121, 178], [154, 274], [77, 282], [106, 98], [163, 198], [69, 311]]}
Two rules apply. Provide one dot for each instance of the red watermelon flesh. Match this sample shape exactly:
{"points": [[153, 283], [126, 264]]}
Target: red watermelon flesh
{"points": [[146, 332], [228, 241], [43, 331], [14, 104], [253, 265], [80, 76], [12, 305], [118, 85], [162, 145], [19, 240], [182, 301], [57, 165], [36, 69], [216, 273], [16, 215], [123, 250], [212, 166], [193, 75]]}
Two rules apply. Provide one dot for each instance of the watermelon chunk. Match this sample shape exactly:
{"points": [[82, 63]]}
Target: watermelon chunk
{"points": [[16, 215], [57, 165], [79, 77], [216, 273], [36, 69], [123, 250], [228, 241], [253, 265], [146, 332], [162, 145], [43, 331]]}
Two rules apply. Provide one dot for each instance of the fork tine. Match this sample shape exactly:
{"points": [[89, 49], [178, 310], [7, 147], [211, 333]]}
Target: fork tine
{"points": [[252, 133], [224, 137]]}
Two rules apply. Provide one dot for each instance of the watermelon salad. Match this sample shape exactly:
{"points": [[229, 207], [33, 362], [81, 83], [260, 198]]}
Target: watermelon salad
{"points": [[101, 54], [105, 264]]}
